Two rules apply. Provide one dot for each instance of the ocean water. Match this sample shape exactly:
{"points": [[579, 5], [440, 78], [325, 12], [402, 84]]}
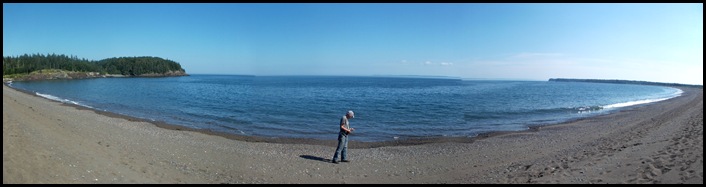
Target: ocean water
{"points": [[386, 108]]}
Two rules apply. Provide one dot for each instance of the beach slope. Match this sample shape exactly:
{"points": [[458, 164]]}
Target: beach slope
{"points": [[50, 142]]}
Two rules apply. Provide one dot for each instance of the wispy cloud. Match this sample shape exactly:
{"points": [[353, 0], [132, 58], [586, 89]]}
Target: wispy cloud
{"points": [[541, 66], [537, 55], [430, 63]]}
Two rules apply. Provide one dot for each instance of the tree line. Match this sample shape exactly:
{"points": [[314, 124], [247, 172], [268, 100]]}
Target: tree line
{"points": [[129, 66]]}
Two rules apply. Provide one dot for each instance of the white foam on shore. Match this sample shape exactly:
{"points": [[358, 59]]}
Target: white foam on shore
{"points": [[632, 103], [55, 98]]}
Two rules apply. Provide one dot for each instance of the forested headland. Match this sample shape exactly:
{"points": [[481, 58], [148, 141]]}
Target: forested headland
{"points": [[616, 81], [36, 66]]}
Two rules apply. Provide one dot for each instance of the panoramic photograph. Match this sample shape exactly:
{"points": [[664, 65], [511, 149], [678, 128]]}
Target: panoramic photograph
{"points": [[352, 93]]}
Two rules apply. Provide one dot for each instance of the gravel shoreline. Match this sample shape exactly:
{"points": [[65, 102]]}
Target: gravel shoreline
{"points": [[50, 142]]}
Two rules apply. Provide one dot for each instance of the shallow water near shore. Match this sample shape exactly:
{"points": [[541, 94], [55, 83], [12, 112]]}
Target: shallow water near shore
{"points": [[387, 108]]}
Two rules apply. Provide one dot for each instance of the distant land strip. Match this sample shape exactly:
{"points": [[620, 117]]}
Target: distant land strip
{"points": [[617, 81]]}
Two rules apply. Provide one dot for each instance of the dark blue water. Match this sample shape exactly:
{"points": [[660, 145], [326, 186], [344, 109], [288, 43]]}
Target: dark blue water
{"points": [[386, 108]]}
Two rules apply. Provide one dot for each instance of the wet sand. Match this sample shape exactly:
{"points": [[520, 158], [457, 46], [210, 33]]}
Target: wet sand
{"points": [[49, 142]]}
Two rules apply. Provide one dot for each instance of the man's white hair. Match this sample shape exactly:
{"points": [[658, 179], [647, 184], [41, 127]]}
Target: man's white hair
{"points": [[350, 112]]}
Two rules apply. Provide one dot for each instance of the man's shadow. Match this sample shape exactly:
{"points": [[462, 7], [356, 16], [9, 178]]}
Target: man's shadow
{"points": [[315, 158]]}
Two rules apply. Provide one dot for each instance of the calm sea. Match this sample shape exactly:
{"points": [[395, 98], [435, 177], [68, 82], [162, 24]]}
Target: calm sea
{"points": [[386, 108]]}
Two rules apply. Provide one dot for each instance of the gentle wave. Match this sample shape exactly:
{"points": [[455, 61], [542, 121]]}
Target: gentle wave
{"points": [[587, 109], [55, 98], [632, 103]]}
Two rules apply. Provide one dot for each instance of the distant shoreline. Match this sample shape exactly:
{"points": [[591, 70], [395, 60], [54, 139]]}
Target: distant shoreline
{"points": [[618, 81]]}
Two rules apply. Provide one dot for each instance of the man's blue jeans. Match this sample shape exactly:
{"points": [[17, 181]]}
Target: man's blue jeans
{"points": [[342, 146]]}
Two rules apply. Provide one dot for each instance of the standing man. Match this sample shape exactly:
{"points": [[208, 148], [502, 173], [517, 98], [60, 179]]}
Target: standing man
{"points": [[343, 138]]}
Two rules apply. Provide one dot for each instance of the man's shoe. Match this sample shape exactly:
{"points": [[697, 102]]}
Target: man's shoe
{"points": [[334, 161], [345, 161]]}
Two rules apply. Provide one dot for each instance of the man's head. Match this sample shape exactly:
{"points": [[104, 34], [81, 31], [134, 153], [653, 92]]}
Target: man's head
{"points": [[350, 114]]}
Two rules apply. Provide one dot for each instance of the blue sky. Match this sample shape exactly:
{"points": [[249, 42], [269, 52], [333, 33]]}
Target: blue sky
{"points": [[650, 42]]}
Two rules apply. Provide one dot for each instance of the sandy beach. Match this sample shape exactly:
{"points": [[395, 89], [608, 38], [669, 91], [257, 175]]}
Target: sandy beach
{"points": [[49, 142]]}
